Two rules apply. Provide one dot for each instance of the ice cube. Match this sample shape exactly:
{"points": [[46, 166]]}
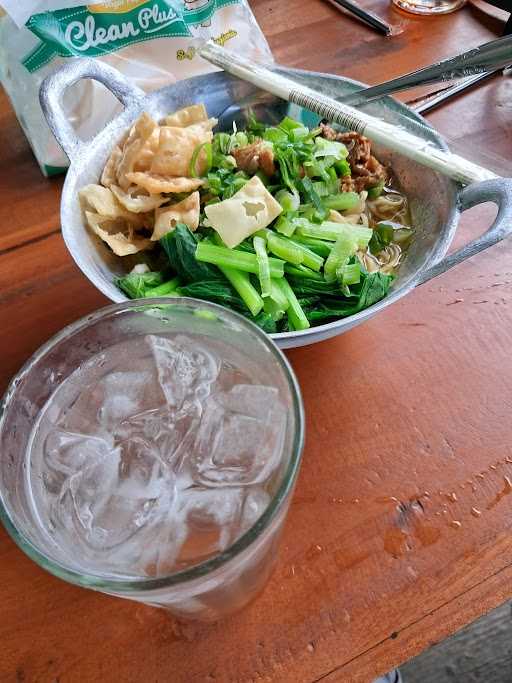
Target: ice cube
{"points": [[99, 407], [185, 369], [233, 448], [65, 453], [200, 523], [253, 400], [115, 494], [127, 393], [209, 520], [169, 431], [255, 503]]}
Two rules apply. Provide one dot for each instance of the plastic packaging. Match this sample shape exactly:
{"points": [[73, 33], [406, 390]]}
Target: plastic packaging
{"points": [[151, 42]]}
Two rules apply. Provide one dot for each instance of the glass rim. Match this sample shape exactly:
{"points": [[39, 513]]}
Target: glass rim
{"points": [[243, 542]]}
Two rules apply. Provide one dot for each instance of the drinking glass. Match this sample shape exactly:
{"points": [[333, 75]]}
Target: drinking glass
{"points": [[226, 581], [429, 6]]}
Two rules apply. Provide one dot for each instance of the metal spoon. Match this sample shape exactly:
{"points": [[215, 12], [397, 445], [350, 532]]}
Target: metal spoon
{"points": [[491, 56]]}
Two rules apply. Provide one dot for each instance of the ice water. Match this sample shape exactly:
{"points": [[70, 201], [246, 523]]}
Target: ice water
{"points": [[154, 455]]}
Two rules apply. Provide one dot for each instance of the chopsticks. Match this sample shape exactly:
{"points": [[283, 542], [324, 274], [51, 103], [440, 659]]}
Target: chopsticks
{"points": [[392, 136], [365, 15]]}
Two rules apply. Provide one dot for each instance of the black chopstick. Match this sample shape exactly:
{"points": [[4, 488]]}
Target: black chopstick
{"points": [[365, 15]]}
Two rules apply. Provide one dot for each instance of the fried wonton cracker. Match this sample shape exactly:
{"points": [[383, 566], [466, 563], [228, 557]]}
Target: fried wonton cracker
{"points": [[187, 116], [104, 202], [138, 148], [176, 148], [137, 203], [123, 242], [186, 211], [155, 183], [109, 175]]}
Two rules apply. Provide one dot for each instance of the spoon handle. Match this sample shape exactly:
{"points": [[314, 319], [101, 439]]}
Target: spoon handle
{"points": [[488, 57]]}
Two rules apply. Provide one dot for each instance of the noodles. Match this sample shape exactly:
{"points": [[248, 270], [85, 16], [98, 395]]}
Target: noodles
{"points": [[390, 206]]}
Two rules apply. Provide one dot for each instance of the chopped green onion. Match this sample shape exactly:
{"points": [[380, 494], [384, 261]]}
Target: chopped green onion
{"points": [[307, 212], [325, 188], [299, 133], [343, 201], [288, 124], [290, 201], [342, 168], [312, 196], [238, 181], [224, 182], [241, 283], [238, 139], [285, 225], [221, 143], [316, 168], [296, 316], [263, 266], [376, 190], [254, 125], [322, 188], [324, 148], [284, 249], [288, 161], [344, 248], [232, 258], [164, 289], [349, 274], [223, 161], [275, 135], [334, 180], [207, 146]]}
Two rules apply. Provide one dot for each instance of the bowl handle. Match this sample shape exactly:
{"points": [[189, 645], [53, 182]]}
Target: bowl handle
{"points": [[54, 86], [499, 192]]}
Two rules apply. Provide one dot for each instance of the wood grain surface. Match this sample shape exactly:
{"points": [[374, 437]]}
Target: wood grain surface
{"points": [[408, 430]]}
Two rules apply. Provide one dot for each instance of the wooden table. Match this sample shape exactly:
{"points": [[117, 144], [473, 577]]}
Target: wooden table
{"points": [[408, 432]]}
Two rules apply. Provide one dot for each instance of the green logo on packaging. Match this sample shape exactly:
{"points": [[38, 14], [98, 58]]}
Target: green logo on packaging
{"points": [[91, 31]]}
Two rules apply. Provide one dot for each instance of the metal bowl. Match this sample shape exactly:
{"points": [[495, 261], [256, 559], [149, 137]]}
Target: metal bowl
{"points": [[435, 201]]}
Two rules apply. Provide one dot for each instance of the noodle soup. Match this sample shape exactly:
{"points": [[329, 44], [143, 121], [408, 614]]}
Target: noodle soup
{"points": [[290, 226]]}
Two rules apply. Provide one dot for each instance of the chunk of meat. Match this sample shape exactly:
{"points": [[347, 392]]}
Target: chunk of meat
{"points": [[367, 171], [254, 157]]}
